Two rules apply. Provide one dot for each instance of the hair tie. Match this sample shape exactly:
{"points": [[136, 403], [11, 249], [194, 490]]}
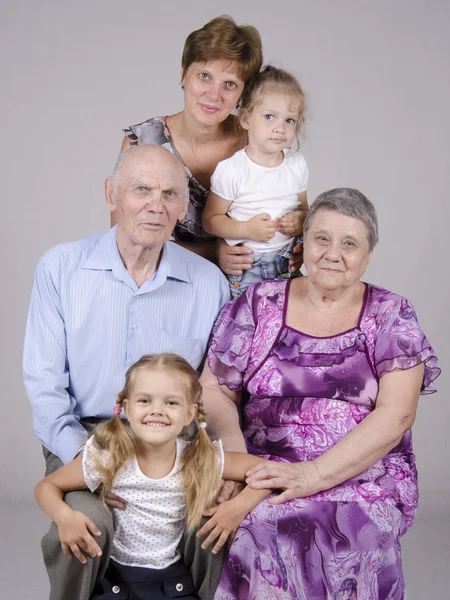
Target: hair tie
{"points": [[202, 425], [269, 68], [117, 409]]}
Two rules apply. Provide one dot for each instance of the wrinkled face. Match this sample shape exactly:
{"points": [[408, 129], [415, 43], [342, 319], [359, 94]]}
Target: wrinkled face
{"points": [[272, 123], [211, 90], [150, 197], [157, 407], [336, 250]]}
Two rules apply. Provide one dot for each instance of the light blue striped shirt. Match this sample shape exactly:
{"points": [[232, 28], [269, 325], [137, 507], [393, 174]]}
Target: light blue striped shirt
{"points": [[88, 322]]}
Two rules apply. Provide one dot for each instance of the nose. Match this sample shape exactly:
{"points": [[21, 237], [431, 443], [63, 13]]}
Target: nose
{"points": [[156, 407], [213, 93], [154, 203], [279, 126], [333, 252]]}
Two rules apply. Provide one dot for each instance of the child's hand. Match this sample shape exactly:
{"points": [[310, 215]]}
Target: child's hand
{"points": [[261, 228], [75, 531], [223, 523], [291, 223]]}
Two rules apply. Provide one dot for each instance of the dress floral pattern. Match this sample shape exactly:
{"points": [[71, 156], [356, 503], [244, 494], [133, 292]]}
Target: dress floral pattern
{"points": [[155, 131], [306, 394]]}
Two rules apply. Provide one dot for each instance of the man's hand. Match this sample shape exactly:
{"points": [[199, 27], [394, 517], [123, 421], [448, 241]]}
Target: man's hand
{"points": [[75, 532], [229, 490], [223, 524], [261, 228], [111, 499], [232, 260], [297, 260]]}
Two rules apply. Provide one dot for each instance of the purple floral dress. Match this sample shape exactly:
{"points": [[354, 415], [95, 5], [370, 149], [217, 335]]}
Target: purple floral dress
{"points": [[306, 394]]}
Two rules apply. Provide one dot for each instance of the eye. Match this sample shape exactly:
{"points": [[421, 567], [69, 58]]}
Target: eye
{"points": [[230, 85], [269, 117], [321, 238], [142, 188], [173, 402], [290, 121], [143, 401], [349, 243], [203, 76]]}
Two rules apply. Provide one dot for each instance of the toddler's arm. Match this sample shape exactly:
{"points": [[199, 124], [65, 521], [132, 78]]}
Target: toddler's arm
{"points": [[260, 228], [75, 529]]}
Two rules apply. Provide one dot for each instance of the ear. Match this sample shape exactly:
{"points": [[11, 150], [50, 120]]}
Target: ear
{"points": [[243, 119], [192, 413], [182, 75], [125, 407], [109, 196]]}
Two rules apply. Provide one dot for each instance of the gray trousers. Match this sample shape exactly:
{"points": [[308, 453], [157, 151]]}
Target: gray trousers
{"points": [[71, 580]]}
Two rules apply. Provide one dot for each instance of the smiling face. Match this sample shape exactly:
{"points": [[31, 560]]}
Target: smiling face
{"points": [[157, 407], [211, 90], [148, 197], [336, 250], [272, 123]]}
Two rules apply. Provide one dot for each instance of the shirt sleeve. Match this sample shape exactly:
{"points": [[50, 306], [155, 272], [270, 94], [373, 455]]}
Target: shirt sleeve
{"points": [[45, 367], [231, 341], [224, 181], [401, 343], [302, 170], [92, 457]]}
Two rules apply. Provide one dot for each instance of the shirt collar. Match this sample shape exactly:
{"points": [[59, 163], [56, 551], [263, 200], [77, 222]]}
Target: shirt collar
{"points": [[105, 257]]}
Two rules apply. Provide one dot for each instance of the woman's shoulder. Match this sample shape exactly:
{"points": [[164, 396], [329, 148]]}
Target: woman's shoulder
{"points": [[386, 307], [151, 131]]}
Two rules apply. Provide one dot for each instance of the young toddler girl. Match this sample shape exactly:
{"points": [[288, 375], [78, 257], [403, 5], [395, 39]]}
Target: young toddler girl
{"points": [[258, 196], [165, 481]]}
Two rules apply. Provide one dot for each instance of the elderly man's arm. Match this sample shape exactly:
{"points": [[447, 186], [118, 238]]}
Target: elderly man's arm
{"points": [[221, 408], [365, 445], [45, 365]]}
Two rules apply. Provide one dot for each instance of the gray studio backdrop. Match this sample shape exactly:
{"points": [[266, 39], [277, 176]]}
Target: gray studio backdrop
{"points": [[378, 80]]}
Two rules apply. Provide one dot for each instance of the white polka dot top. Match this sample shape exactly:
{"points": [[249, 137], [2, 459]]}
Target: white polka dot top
{"points": [[148, 531]]}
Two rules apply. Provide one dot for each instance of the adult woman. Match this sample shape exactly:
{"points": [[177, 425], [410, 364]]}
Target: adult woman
{"points": [[334, 368], [217, 61]]}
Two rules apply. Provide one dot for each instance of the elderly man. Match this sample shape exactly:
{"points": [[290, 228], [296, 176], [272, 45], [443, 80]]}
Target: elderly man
{"points": [[97, 306]]}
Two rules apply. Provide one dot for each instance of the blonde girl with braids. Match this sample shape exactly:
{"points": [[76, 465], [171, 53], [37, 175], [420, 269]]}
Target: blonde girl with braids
{"points": [[165, 481], [258, 196]]}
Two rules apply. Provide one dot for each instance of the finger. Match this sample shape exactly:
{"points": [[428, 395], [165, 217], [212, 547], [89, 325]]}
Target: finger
{"points": [[92, 527], [238, 487], [261, 470], [90, 546], [269, 484], [231, 539], [211, 537], [239, 250], [222, 539], [115, 503], [283, 497], [207, 527], [77, 552], [66, 550], [209, 512]]}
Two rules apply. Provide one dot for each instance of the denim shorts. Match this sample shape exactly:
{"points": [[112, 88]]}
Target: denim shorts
{"points": [[266, 265]]}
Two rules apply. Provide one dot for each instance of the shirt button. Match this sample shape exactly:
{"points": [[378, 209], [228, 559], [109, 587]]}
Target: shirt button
{"points": [[116, 589], [135, 327], [179, 587]]}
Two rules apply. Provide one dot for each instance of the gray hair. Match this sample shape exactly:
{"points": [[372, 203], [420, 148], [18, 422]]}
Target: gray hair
{"points": [[118, 170], [347, 201]]}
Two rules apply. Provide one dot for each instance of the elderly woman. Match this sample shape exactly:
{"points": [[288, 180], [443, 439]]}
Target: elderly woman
{"points": [[333, 368], [217, 62]]}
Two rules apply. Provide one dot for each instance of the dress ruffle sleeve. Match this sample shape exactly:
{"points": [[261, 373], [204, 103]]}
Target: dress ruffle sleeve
{"points": [[92, 456], [401, 343], [231, 341]]}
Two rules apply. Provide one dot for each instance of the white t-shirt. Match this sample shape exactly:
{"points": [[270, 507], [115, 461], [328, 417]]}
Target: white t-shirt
{"points": [[147, 532], [253, 189]]}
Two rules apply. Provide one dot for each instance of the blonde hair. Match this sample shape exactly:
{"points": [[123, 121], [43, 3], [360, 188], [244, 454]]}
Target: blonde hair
{"points": [[273, 80], [199, 466], [222, 38]]}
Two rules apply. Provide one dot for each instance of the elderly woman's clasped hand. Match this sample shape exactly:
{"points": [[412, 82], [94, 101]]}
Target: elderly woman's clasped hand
{"points": [[298, 480]]}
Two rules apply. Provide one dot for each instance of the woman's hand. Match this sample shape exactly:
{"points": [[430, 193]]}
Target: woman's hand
{"points": [[75, 532], [223, 524], [232, 260], [111, 499], [298, 480]]}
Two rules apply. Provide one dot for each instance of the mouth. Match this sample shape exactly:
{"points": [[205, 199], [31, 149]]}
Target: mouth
{"points": [[278, 140], [156, 424], [209, 109], [151, 225]]}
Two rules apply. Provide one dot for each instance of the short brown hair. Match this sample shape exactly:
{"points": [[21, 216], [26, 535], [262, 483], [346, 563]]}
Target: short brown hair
{"points": [[272, 79], [222, 38]]}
